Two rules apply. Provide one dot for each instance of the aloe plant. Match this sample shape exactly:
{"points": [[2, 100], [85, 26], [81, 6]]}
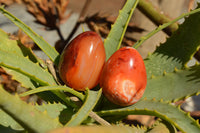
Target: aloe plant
{"points": [[169, 80]]}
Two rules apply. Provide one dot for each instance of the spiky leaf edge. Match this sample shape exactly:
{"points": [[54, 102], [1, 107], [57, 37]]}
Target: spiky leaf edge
{"points": [[115, 36], [91, 100], [46, 48], [26, 114], [166, 111]]}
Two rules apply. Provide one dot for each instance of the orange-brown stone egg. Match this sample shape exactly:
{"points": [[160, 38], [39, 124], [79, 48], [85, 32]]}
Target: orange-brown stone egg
{"points": [[123, 77], [82, 61]]}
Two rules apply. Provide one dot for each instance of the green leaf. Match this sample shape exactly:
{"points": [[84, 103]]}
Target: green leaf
{"points": [[23, 69], [25, 114], [16, 47], [51, 88], [57, 110], [163, 110], [27, 52], [91, 99], [114, 39], [22, 79], [7, 121], [99, 129], [26, 67], [56, 90], [174, 86], [53, 110], [4, 129], [163, 26], [48, 49], [7, 44], [162, 126], [177, 50]]}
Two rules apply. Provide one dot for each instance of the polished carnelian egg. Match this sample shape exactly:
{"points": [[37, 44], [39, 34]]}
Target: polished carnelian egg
{"points": [[82, 60], [123, 77]]}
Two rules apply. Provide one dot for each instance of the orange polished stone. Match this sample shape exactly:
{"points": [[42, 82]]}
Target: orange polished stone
{"points": [[82, 60], [123, 77]]}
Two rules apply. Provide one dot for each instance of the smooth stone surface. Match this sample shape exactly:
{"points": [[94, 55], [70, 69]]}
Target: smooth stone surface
{"points": [[123, 77], [82, 60]]}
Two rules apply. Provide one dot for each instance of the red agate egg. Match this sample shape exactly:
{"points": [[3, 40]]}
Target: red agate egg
{"points": [[82, 61], [123, 77]]}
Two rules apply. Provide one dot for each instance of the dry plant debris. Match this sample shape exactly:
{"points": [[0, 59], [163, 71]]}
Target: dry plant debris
{"points": [[5, 79], [13, 86], [144, 120], [23, 38], [9, 2], [101, 23], [50, 13]]}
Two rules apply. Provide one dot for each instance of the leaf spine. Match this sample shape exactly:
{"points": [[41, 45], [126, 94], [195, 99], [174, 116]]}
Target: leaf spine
{"points": [[179, 107], [57, 119], [149, 54], [26, 57], [197, 121], [45, 112], [154, 99], [175, 69], [188, 114], [187, 96], [152, 76], [164, 73], [186, 66], [120, 11], [161, 100], [145, 98], [197, 93]]}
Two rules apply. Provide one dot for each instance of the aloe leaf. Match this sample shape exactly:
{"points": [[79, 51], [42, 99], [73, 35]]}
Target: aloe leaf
{"points": [[25, 114], [175, 85], [27, 52], [16, 47], [51, 88], [177, 50], [166, 111], [52, 109], [48, 49], [91, 99], [114, 39], [26, 67], [57, 110], [4, 129], [161, 27], [8, 121], [33, 71], [23, 69], [100, 129], [162, 126], [22, 79], [7, 44]]}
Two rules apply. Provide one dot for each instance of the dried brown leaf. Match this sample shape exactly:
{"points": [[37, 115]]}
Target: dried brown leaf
{"points": [[50, 13], [9, 2], [101, 23]]}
